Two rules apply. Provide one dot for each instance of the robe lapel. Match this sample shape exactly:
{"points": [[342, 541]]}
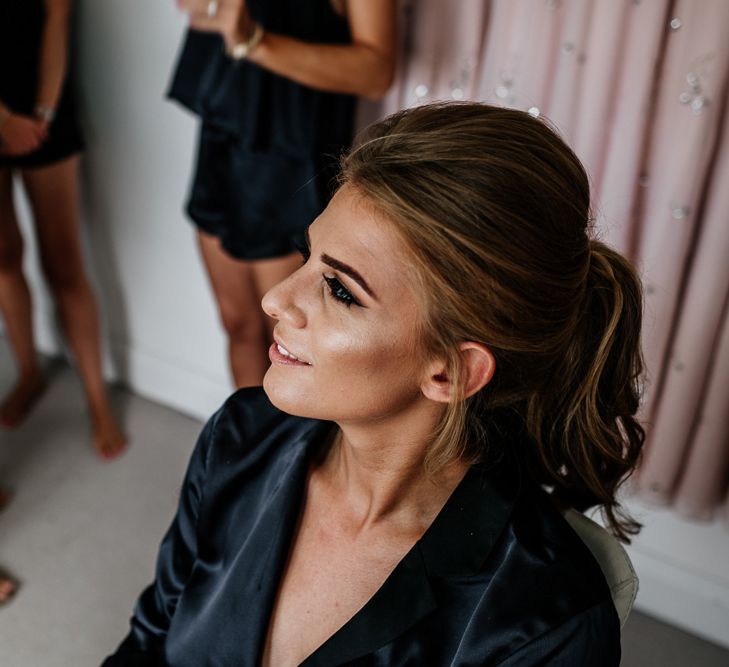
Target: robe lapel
{"points": [[403, 599], [260, 560], [456, 545], [463, 534]]}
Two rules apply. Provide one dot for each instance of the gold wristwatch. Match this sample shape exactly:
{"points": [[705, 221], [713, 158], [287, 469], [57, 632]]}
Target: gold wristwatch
{"points": [[240, 51]]}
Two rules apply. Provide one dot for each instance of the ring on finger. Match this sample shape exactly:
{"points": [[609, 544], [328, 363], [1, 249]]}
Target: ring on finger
{"points": [[212, 10]]}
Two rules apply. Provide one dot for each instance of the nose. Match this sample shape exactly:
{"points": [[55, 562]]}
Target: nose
{"points": [[279, 303]]}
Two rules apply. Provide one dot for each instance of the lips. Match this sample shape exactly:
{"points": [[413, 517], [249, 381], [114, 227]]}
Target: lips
{"points": [[286, 353], [280, 353]]}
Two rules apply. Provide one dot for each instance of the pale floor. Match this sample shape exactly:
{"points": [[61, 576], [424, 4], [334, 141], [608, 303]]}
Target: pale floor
{"points": [[81, 534]]}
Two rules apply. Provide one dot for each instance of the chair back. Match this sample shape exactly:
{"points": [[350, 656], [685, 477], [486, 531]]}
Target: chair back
{"points": [[612, 558]]}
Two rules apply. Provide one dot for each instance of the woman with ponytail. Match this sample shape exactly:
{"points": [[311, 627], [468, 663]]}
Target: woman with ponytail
{"points": [[455, 364]]}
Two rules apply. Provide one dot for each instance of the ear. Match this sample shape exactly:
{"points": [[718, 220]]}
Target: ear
{"points": [[477, 369]]}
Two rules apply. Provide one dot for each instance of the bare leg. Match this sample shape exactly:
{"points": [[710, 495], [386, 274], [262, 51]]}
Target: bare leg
{"points": [[270, 272], [4, 498], [53, 193], [16, 308], [240, 312], [7, 584], [8, 587]]}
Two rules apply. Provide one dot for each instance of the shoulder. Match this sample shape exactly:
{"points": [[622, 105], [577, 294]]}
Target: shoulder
{"points": [[591, 637], [511, 569], [553, 580], [541, 534], [537, 577], [534, 538]]}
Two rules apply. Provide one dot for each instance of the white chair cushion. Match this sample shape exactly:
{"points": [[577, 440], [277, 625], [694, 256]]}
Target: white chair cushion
{"points": [[612, 558]]}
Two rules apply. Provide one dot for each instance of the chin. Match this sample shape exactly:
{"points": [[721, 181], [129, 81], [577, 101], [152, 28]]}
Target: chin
{"points": [[285, 395]]}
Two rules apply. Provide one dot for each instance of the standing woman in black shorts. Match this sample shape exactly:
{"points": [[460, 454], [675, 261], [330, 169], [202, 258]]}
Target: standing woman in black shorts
{"points": [[40, 141], [274, 83]]}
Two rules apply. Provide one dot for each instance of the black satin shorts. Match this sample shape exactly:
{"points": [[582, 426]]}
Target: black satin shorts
{"points": [[64, 139], [257, 203]]}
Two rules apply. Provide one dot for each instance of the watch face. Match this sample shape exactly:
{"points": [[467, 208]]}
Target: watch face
{"points": [[242, 50]]}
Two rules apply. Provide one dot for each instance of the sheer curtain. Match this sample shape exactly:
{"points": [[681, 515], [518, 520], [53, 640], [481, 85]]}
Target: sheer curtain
{"points": [[639, 90]]}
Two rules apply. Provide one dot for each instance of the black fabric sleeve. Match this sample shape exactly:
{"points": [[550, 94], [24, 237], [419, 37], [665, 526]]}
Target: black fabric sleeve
{"points": [[144, 645], [590, 638]]}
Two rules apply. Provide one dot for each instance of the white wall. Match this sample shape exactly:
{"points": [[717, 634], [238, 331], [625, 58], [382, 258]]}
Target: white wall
{"points": [[163, 324], [683, 568], [163, 331], [159, 316]]}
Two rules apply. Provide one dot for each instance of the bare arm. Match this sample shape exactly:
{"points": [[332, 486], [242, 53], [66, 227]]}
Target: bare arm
{"points": [[53, 53], [364, 67]]}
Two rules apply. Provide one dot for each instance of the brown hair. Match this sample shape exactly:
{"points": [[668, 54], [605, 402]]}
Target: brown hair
{"points": [[494, 207]]}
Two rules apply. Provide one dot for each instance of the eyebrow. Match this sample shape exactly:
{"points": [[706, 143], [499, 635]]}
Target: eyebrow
{"points": [[344, 268], [348, 270]]}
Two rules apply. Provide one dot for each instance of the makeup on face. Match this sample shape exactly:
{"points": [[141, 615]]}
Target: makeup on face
{"points": [[346, 341], [336, 288]]}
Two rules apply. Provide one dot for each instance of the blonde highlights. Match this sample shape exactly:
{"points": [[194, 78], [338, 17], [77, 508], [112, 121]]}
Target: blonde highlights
{"points": [[494, 208]]}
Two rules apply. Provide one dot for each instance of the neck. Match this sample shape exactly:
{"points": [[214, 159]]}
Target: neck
{"points": [[378, 471]]}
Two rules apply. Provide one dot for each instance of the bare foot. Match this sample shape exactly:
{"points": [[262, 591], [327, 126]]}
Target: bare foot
{"points": [[5, 496], [21, 399], [7, 588], [109, 439]]}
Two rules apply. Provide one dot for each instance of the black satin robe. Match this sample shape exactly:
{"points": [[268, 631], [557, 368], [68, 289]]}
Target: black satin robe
{"points": [[498, 579]]}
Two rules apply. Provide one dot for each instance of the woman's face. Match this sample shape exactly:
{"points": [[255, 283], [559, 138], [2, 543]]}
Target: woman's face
{"points": [[349, 317]]}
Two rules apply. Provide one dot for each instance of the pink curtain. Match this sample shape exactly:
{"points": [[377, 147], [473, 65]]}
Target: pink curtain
{"points": [[639, 89]]}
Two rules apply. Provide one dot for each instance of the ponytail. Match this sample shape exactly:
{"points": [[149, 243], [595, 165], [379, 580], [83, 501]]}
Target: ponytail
{"points": [[588, 439], [494, 207]]}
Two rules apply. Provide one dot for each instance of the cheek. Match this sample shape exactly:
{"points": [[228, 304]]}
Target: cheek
{"points": [[372, 371], [365, 365], [372, 349], [357, 374]]}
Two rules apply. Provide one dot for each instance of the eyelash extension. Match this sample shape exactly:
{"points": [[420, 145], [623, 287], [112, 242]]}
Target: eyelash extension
{"points": [[336, 289], [340, 292]]}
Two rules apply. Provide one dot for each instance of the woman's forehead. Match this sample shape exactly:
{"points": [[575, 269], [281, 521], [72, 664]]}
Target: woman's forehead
{"points": [[352, 224], [352, 230]]}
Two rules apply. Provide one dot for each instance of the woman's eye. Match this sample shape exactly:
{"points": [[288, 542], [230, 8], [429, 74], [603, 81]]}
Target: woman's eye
{"points": [[340, 292]]}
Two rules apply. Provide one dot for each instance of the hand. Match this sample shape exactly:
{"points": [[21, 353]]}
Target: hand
{"points": [[21, 134], [231, 18]]}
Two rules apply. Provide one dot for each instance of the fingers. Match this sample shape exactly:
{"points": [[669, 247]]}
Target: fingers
{"points": [[24, 145], [223, 16], [29, 136], [37, 134], [40, 130], [191, 6], [209, 8], [218, 23], [225, 21]]}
